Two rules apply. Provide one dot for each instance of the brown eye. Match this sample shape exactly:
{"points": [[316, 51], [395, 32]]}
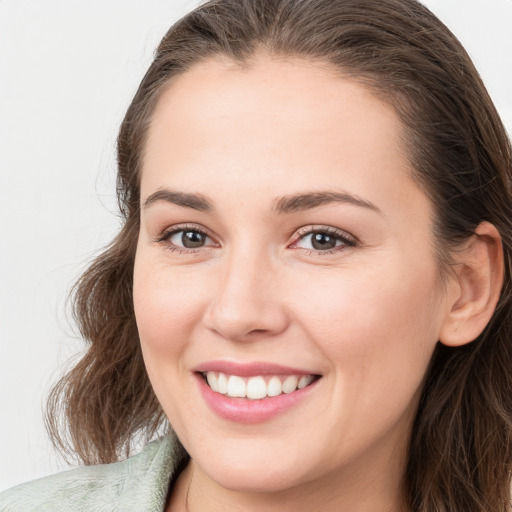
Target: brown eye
{"points": [[189, 239], [192, 239], [323, 241]]}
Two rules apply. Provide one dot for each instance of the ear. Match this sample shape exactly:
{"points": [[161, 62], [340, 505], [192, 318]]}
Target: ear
{"points": [[476, 288]]}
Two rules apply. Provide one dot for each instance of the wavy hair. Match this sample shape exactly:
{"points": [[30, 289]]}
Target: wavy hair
{"points": [[460, 452]]}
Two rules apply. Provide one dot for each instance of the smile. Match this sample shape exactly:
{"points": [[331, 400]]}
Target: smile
{"points": [[257, 387], [253, 392]]}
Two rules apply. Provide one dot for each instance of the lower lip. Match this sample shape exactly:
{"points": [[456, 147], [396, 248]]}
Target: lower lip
{"points": [[244, 410]]}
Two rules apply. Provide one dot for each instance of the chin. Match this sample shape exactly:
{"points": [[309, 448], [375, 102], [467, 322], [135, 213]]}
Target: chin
{"points": [[254, 469], [249, 478]]}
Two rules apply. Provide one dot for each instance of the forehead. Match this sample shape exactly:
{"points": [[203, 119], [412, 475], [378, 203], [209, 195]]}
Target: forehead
{"points": [[284, 125]]}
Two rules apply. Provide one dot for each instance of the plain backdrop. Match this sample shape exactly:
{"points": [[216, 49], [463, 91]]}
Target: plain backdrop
{"points": [[68, 70]]}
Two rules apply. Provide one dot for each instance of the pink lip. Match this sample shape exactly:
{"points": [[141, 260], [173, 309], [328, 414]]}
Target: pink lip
{"points": [[249, 369], [244, 410]]}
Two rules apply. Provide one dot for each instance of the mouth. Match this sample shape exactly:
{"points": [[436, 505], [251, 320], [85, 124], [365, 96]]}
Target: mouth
{"points": [[257, 387], [254, 392]]}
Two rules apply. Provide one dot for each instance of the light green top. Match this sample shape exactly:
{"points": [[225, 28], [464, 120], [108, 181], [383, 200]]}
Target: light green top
{"points": [[138, 484]]}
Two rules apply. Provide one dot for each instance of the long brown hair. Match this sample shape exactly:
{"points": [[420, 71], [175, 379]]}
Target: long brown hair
{"points": [[460, 453]]}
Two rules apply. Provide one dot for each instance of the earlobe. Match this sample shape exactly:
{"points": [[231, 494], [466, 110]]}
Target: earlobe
{"points": [[477, 287]]}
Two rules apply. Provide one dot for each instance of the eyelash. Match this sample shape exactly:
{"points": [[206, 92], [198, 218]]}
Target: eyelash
{"points": [[347, 241], [165, 237]]}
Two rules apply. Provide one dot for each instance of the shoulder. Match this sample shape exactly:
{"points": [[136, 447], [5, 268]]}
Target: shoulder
{"points": [[139, 483]]}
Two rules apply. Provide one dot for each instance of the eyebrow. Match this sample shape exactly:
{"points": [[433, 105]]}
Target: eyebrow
{"points": [[185, 199], [301, 202], [286, 204]]}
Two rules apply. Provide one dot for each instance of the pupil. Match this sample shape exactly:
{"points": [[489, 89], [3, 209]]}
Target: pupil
{"points": [[192, 239], [323, 241]]}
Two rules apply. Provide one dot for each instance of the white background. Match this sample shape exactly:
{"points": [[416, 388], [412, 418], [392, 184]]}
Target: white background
{"points": [[68, 69]]}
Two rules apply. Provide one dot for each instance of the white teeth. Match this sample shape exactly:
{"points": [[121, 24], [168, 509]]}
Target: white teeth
{"points": [[274, 387], [236, 387], [290, 384], [304, 381], [212, 381], [256, 388], [222, 384]]}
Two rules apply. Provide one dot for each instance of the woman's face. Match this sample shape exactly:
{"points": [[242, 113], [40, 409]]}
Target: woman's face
{"points": [[284, 244]]}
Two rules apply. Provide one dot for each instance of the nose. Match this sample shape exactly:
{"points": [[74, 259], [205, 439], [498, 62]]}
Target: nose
{"points": [[247, 303]]}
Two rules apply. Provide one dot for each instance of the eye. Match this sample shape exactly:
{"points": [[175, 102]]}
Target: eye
{"points": [[181, 237], [188, 239], [323, 240]]}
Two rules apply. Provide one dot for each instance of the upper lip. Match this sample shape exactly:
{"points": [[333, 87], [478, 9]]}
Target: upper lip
{"points": [[250, 369]]}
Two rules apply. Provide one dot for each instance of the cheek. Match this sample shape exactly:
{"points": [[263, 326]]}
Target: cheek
{"points": [[168, 304], [369, 305], [167, 312], [377, 328]]}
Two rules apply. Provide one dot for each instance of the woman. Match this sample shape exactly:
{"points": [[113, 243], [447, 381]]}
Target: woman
{"points": [[312, 284]]}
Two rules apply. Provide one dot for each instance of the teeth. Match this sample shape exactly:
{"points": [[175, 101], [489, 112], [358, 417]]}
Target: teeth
{"points": [[236, 387], [212, 381], [222, 383], [274, 387], [290, 384], [304, 381], [256, 388]]}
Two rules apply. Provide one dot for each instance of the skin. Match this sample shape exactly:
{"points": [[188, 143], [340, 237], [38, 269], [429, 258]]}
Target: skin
{"points": [[365, 316]]}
